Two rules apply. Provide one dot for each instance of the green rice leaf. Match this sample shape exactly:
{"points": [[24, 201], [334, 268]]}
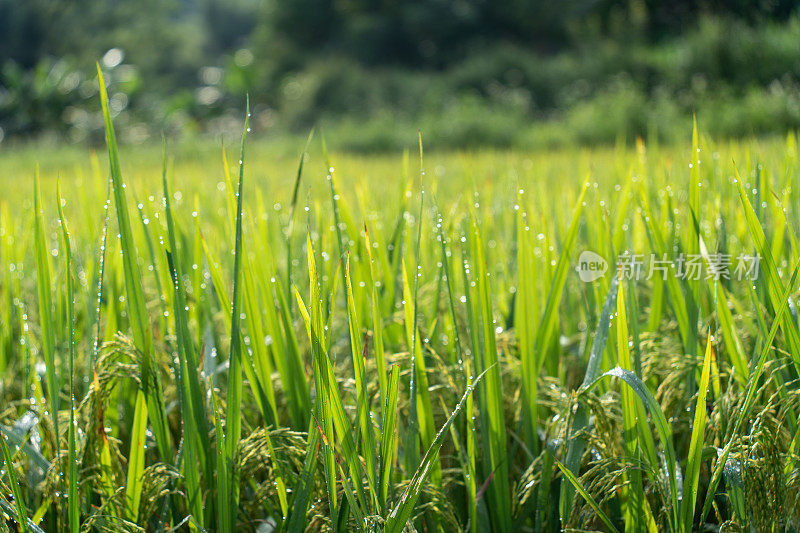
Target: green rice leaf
{"points": [[401, 513], [73, 496], [388, 436], [576, 442], [140, 322], [662, 428], [46, 307], [693, 463], [20, 510], [233, 418], [575, 482], [752, 386]]}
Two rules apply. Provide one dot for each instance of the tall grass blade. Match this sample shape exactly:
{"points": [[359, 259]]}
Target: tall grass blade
{"points": [[693, 463], [662, 429], [189, 394], [524, 318], [388, 435], [677, 298], [421, 428], [417, 363], [401, 513], [46, 308], [770, 279], [549, 320], [490, 395], [575, 482], [73, 496], [225, 303], [329, 401], [148, 397], [223, 467], [469, 466], [297, 516], [363, 415], [20, 511], [290, 223], [635, 517], [377, 323], [313, 320], [576, 442], [233, 419], [101, 264], [693, 249], [747, 400]]}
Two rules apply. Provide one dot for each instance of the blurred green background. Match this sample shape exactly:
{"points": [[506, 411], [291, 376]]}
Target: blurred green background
{"points": [[371, 72]]}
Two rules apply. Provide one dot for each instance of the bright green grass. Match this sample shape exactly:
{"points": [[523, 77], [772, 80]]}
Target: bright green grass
{"points": [[494, 391]]}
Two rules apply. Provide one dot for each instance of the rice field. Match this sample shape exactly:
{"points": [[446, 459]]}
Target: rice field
{"points": [[235, 339]]}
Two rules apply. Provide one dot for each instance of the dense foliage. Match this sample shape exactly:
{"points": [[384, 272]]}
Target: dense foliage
{"points": [[366, 344]]}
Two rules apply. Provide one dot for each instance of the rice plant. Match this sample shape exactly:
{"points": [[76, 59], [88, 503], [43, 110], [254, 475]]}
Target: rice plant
{"points": [[600, 339]]}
